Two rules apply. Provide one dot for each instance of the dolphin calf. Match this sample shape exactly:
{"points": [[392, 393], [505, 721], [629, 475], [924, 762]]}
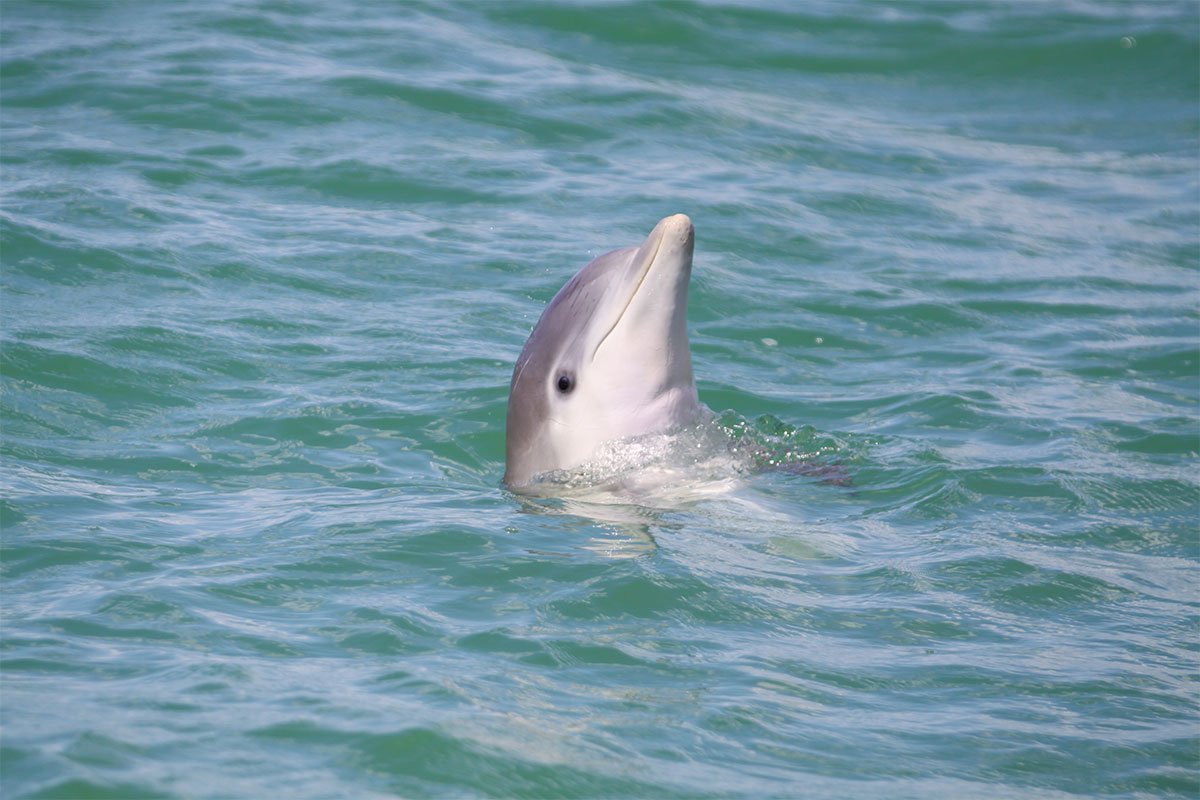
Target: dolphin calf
{"points": [[608, 359]]}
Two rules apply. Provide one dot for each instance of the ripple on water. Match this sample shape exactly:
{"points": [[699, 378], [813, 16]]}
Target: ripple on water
{"points": [[266, 271]]}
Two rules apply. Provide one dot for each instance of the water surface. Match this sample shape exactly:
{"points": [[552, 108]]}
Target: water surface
{"points": [[265, 270]]}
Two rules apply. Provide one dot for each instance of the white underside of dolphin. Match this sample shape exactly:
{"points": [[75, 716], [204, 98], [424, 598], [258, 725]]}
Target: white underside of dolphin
{"points": [[608, 360]]}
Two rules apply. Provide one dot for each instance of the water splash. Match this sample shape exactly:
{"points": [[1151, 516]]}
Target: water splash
{"points": [[685, 464]]}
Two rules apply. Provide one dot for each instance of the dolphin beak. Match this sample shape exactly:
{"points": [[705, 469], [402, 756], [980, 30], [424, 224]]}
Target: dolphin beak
{"points": [[673, 240], [665, 260], [678, 226]]}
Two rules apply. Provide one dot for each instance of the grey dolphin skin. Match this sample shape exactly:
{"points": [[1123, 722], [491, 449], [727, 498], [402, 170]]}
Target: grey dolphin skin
{"points": [[608, 359]]}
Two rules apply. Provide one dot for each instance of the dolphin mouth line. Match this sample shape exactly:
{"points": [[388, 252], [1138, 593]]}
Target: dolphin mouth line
{"points": [[641, 279]]}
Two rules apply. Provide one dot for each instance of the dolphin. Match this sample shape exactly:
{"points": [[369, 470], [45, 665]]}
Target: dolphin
{"points": [[608, 359]]}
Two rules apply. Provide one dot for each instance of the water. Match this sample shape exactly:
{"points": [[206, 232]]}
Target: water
{"points": [[266, 268]]}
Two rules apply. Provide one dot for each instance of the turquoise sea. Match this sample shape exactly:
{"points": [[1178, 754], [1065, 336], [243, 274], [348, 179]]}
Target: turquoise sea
{"points": [[265, 268]]}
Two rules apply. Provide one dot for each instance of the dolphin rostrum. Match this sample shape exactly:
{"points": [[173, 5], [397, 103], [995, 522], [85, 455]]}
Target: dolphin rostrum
{"points": [[608, 359]]}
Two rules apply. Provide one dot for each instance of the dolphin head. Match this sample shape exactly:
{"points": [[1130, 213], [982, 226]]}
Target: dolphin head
{"points": [[608, 359]]}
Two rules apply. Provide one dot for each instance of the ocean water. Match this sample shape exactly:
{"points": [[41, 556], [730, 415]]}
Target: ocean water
{"points": [[266, 267]]}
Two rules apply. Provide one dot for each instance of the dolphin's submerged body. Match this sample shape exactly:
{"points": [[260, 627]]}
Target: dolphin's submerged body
{"points": [[608, 359]]}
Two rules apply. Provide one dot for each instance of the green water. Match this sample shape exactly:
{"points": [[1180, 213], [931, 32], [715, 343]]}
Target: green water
{"points": [[266, 267]]}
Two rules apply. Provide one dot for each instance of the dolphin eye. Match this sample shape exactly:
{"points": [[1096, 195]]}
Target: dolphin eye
{"points": [[565, 383]]}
